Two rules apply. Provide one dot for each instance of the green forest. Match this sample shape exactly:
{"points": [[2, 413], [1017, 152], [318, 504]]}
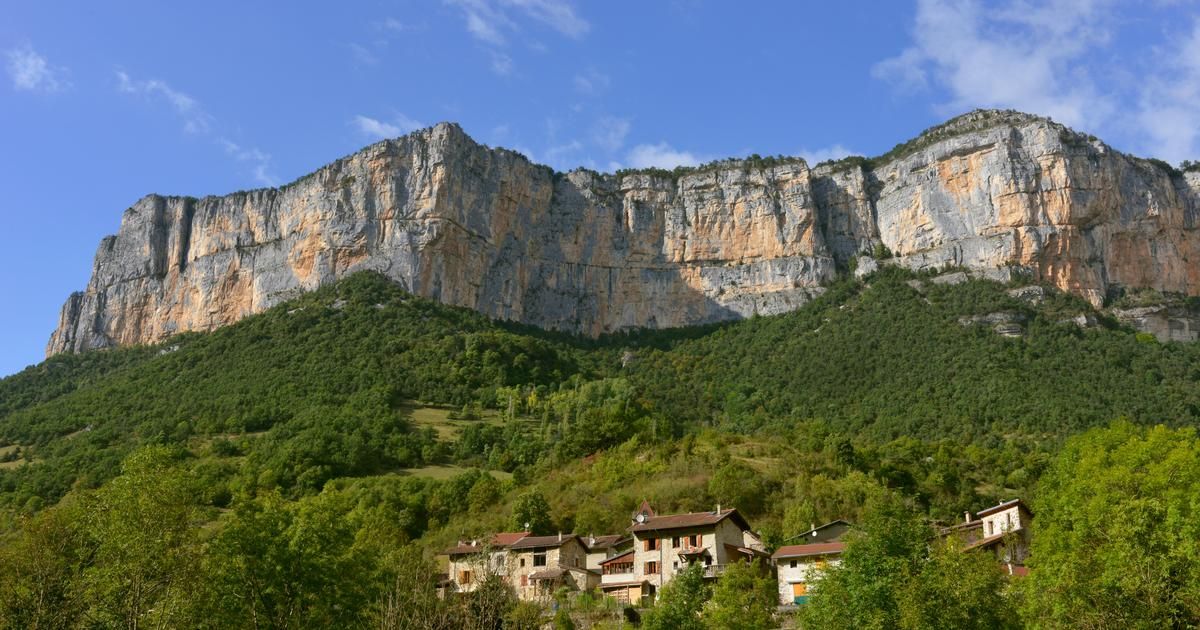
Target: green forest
{"points": [[300, 468]]}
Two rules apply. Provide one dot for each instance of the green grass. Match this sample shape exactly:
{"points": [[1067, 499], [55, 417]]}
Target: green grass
{"points": [[448, 472]]}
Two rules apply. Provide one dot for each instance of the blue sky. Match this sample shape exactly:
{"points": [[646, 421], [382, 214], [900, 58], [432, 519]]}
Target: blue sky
{"points": [[100, 105]]}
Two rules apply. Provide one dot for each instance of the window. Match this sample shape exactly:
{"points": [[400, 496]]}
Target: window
{"points": [[792, 564], [522, 561], [694, 540], [651, 544], [464, 577], [539, 559], [651, 568], [675, 565], [707, 560], [575, 561], [991, 528], [675, 542]]}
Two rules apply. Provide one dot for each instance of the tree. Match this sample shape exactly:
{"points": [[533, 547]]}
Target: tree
{"points": [[894, 575], [280, 565], [144, 564], [412, 600], [1117, 532], [679, 602], [956, 589], [487, 607], [39, 571], [737, 485], [531, 512], [745, 597]]}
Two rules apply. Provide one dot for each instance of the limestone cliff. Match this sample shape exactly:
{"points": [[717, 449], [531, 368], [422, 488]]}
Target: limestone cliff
{"points": [[484, 228]]}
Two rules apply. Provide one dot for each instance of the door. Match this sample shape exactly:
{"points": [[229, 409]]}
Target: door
{"points": [[800, 593]]}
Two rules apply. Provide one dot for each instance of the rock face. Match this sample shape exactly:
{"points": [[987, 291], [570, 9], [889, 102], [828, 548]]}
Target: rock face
{"points": [[484, 228]]}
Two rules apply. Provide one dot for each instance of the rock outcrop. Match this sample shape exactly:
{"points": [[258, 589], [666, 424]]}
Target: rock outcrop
{"points": [[487, 229]]}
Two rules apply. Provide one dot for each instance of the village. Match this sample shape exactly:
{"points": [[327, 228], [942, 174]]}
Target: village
{"points": [[633, 566]]}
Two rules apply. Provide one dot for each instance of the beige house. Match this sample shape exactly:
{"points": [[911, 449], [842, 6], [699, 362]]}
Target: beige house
{"points": [[601, 548], [798, 566], [1002, 529], [666, 545], [540, 565], [469, 562]]}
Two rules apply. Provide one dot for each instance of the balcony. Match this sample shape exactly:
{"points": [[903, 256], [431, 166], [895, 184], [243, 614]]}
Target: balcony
{"points": [[714, 570]]}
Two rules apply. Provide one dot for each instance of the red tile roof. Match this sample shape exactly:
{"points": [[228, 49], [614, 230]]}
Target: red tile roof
{"points": [[505, 539], [816, 549], [681, 521], [498, 541]]}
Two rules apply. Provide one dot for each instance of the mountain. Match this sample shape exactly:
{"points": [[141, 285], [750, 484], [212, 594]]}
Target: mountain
{"points": [[330, 384], [998, 192]]}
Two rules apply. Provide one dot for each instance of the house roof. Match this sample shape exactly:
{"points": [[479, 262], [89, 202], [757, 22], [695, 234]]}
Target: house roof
{"points": [[618, 557], [682, 521], [498, 541], [816, 549], [819, 528], [1003, 506], [604, 542], [505, 539], [535, 542], [550, 573], [990, 540]]}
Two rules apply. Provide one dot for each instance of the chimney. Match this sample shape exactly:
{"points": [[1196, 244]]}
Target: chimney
{"points": [[559, 536], [718, 509], [966, 517]]}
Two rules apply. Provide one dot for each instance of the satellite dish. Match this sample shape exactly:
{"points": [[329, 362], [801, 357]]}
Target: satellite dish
{"points": [[641, 518], [526, 525]]}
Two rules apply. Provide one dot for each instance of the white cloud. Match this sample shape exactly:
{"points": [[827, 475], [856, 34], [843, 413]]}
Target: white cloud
{"points": [[1169, 107], [556, 14], [195, 120], [258, 161], [502, 64], [363, 55], [816, 156], [393, 25], [609, 132], [1020, 55], [31, 71], [661, 155], [400, 125], [492, 22], [591, 82], [199, 122], [559, 156]]}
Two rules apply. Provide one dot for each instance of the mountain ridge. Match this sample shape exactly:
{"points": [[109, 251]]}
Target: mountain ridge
{"points": [[994, 191]]}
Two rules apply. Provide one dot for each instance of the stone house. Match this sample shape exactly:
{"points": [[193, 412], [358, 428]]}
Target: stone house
{"points": [[540, 565], [798, 566], [665, 545], [469, 562], [1002, 530]]}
